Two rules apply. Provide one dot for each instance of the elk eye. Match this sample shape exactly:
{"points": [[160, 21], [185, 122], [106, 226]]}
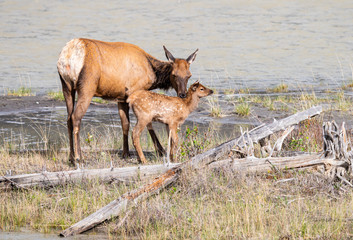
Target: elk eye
{"points": [[201, 89]]}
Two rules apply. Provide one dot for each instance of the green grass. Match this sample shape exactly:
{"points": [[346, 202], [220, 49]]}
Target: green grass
{"points": [[59, 96], [21, 92], [243, 109], [99, 100]]}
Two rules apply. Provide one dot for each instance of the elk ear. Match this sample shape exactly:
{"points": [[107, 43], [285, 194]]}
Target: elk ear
{"points": [[192, 57], [194, 86], [168, 55]]}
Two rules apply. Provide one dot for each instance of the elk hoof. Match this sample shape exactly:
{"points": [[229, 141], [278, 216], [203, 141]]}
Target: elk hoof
{"points": [[125, 154], [143, 161], [71, 162], [161, 153]]}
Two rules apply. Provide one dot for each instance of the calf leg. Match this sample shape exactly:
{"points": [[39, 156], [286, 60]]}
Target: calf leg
{"points": [[157, 145], [174, 142], [136, 133], [125, 124]]}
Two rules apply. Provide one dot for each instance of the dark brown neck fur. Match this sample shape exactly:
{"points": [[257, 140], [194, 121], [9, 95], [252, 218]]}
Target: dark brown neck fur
{"points": [[163, 71]]}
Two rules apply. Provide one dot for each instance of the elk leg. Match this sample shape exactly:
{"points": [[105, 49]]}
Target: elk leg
{"points": [[82, 105], [174, 142], [157, 145], [136, 133], [87, 85], [125, 124], [69, 95]]}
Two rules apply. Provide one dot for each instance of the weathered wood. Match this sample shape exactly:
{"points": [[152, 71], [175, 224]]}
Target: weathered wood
{"points": [[256, 135], [267, 164], [336, 147], [121, 204], [48, 179]]}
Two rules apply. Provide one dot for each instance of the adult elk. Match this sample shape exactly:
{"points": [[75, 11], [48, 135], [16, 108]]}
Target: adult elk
{"points": [[114, 70]]}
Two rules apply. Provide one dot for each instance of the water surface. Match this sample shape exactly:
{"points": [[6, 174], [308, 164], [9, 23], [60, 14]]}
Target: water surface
{"points": [[255, 44]]}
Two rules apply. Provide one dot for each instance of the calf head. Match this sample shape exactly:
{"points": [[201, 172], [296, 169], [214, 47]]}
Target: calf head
{"points": [[200, 90], [180, 73]]}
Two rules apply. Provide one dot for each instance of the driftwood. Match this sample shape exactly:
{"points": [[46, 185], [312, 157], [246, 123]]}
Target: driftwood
{"points": [[336, 146], [336, 158], [256, 135], [49, 179], [120, 205], [270, 163]]}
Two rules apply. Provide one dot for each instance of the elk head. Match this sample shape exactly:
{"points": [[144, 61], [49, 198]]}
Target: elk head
{"points": [[180, 73], [200, 90]]}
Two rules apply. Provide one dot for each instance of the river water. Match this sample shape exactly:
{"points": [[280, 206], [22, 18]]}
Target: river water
{"points": [[252, 44]]}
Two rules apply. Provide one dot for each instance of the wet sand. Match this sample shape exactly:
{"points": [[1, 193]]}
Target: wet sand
{"points": [[26, 111]]}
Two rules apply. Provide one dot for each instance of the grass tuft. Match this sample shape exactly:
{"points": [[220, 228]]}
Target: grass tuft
{"points": [[59, 96], [243, 109], [21, 92], [99, 100], [281, 88], [215, 107]]}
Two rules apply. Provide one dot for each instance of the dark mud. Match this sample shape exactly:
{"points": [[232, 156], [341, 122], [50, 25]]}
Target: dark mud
{"points": [[26, 121]]}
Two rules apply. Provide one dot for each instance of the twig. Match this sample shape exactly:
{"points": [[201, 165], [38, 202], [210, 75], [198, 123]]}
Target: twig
{"points": [[278, 144], [344, 180], [121, 222], [273, 166], [284, 180]]}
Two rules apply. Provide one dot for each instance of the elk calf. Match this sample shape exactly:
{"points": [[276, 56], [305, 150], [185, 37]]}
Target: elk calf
{"points": [[150, 106]]}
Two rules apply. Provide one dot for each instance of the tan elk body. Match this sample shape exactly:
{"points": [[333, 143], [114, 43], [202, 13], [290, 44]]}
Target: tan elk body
{"points": [[150, 106], [114, 70]]}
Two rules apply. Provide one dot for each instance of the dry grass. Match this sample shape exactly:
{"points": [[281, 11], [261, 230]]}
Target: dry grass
{"points": [[215, 107], [307, 137], [204, 205], [230, 205], [281, 88]]}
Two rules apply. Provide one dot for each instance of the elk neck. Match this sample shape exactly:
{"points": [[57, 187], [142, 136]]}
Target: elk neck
{"points": [[191, 100], [162, 71]]}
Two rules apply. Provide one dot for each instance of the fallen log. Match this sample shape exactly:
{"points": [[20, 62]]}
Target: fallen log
{"points": [[120, 205], [255, 135], [271, 163], [124, 202], [49, 179]]}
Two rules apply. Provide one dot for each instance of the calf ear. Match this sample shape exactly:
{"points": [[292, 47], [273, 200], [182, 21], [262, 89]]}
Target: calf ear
{"points": [[168, 55], [194, 86], [192, 57]]}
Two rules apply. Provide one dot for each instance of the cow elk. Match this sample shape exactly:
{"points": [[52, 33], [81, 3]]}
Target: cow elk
{"points": [[150, 106], [114, 70]]}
